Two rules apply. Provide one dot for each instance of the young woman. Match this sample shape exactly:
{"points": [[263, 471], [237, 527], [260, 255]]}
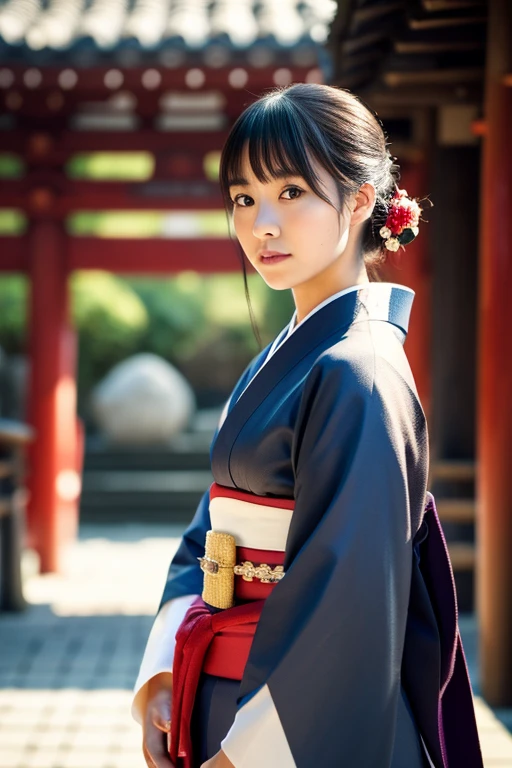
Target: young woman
{"points": [[326, 633]]}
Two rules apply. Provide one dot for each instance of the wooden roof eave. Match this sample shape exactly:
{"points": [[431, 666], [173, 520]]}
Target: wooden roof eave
{"points": [[434, 6], [437, 22], [468, 38], [406, 47], [373, 13], [434, 76], [434, 54], [410, 96]]}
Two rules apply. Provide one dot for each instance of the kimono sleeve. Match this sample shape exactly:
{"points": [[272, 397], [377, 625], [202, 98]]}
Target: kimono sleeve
{"points": [[329, 644], [184, 582], [185, 576]]}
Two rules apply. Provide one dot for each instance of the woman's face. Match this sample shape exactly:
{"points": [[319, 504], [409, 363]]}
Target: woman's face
{"points": [[289, 234]]}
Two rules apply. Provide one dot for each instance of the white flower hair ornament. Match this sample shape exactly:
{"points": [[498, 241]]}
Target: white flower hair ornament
{"points": [[402, 223]]}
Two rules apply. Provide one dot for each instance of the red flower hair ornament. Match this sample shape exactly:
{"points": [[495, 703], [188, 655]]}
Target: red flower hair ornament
{"points": [[401, 226]]}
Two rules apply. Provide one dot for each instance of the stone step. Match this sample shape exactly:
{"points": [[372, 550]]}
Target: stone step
{"points": [[456, 510], [7, 468], [161, 510], [5, 506], [462, 555], [157, 484], [453, 483], [142, 483], [445, 469], [130, 496], [190, 454]]}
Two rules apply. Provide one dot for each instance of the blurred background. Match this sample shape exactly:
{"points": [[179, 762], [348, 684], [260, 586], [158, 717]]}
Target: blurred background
{"points": [[124, 322]]}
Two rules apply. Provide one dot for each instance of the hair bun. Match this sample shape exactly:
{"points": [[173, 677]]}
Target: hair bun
{"points": [[402, 223]]}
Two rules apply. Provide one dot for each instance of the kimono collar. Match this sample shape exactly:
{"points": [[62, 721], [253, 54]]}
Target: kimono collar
{"points": [[297, 352], [382, 301], [386, 301]]}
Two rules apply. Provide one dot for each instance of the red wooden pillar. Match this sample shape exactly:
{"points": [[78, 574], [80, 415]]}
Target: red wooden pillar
{"points": [[53, 481], [494, 588], [413, 269]]}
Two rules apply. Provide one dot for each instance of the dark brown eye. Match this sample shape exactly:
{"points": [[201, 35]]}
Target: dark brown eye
{"points": [[244, 201], [293, 192]]}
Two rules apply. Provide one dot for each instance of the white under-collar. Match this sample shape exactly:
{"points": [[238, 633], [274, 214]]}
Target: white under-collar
{"points": [[292, 325], [288, 330]]}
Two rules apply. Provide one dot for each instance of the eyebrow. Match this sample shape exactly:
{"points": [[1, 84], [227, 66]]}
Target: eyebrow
{"points": [[241, 181]]}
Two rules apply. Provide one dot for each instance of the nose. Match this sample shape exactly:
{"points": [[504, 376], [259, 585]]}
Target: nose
{"points": [[266, 223]]}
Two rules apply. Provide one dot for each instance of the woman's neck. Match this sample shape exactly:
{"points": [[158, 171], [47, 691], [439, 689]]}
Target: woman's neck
{"points": [[309, 295]]}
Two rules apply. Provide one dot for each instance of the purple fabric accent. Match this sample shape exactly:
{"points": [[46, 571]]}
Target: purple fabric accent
{"points": [[442, 672]]}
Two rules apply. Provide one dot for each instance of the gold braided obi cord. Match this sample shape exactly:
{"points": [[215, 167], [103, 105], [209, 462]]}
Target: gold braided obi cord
{"points": [[244, 551]]}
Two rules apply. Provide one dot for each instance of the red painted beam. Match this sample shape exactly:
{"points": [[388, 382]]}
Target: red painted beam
{"points": [[41, 146], [171, 195], [494, 584], [142, 256], [13, 254], [48, 193], [51, 100], [94, 81], [153, 256], [14, 194]]}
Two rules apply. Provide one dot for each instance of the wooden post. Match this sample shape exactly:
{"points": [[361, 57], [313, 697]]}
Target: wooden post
{"points": [[413, 269], [52, 399], [494, 589], [14, 438]]}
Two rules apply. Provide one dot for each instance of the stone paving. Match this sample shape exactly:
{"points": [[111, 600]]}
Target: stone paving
{"points": [[67, 665]]}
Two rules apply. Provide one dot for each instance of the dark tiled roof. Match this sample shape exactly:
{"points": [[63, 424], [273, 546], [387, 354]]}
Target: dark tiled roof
{"points": [[51, 30], [392, 45]]}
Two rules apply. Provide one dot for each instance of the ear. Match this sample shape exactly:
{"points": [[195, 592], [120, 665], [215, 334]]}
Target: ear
{"points": [[363, 204]]}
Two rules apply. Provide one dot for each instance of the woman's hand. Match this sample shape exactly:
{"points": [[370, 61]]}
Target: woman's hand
{"points": [[156, 726], [220, 760]]}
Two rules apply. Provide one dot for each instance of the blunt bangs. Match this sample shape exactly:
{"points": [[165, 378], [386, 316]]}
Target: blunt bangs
{"points": [[293, 130], [278, 142]]}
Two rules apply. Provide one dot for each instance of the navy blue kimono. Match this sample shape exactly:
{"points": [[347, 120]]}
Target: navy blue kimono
{"points": [[358, 641]]}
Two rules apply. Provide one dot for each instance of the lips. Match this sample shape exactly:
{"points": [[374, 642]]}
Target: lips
{"points": [[273, 257]]}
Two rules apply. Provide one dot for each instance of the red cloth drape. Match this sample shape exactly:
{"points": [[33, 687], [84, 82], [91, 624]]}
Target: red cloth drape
{"points": [[193, 641]]}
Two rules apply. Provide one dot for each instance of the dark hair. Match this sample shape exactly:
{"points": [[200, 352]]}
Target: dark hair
{"points": [[287, 126]]}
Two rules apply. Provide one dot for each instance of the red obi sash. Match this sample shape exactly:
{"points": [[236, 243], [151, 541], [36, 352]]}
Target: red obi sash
{"points": [[200, 647]]}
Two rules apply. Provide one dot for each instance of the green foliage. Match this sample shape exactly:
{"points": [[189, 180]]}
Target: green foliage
{"points": [[175, 312], [148, 224], [11, 166], [211, 164], [278, 307], [200, 323], [12, 222], [225, 300], [115, 224], [111, 166], [211, 223], [134, 166], [13, 313], [110, 319]]}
